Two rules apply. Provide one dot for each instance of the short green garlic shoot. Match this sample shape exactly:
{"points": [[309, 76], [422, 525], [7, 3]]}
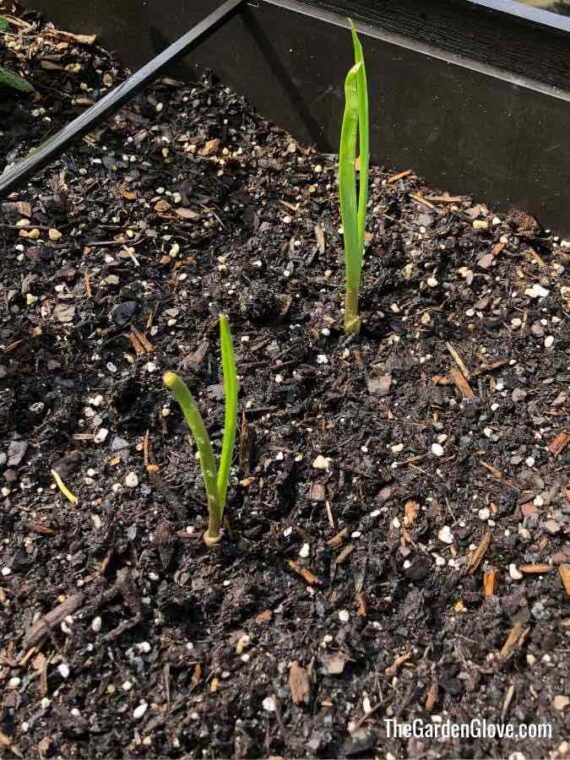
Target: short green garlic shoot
{"points": [[216, 478]]}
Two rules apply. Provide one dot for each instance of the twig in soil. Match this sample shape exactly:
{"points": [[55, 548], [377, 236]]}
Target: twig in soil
{"points": [[305, 574], [392, 669], [477, 556], [458, 360], [216, 479], [399, 175], [564, 571], [559, 443], [50, 620], [515, 639]]}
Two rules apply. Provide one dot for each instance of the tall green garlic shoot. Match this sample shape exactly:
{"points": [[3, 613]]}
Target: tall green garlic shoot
{"points": [[355, 131], [216, 478]]}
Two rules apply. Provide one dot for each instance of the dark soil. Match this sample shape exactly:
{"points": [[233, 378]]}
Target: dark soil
{"points": [[339, 597]]}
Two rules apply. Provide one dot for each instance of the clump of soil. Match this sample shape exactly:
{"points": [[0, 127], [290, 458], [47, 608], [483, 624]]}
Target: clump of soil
{"points": [[396, 542]]}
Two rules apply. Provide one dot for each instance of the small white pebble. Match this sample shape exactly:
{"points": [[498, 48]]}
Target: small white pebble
{"points": [[321, 462], [484, 513], [437, 449], [126, 686], [445, 535], [63, 670], [304, 551], [514, 572], [96, 624], [140, 710], [549, 341], [6, 571], [269, 705], [131, 480], [536, 291], [322, 359], [344, 616], [101, 435]]}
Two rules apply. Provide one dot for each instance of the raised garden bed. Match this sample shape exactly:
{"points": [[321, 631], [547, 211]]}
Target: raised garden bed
{"points": [[397, 529]]}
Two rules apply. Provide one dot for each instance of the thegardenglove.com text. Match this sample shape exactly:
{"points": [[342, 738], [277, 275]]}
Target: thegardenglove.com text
{"points": [[477, 728]]}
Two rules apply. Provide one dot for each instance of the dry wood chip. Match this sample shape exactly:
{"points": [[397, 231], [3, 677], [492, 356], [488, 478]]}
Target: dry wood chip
{"points": [[320, 237], [461, 383], [143, 340], [345, 553], [162, 206], [362, 610], [334, 663], [210, 147], [476, 557], [41, 529], [196, 674], [559, 443], [431, 698], [493, 470], [536, 569], [133, 340], [516, 637], [299, 684], [484, 368], [440, 380], [305, 574], [317, 492], [5, 742], [51, 619], [79, 39], [411, 509], [455, 355], [420, 199], [338, 540], [399, 175], [392, 669], [187, 213], [445, 198], [490, 581], [564, 571], [164, 540]]}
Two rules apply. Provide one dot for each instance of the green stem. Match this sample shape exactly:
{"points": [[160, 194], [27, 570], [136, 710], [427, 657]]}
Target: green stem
{"points": [[194, 420], [351, 317]]}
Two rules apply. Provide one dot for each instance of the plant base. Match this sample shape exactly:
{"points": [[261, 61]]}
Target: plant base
{"points": [[352, 320], [211, 540]]}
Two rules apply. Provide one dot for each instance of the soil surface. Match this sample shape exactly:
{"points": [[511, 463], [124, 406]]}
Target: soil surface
{"points": [[396, 543]]}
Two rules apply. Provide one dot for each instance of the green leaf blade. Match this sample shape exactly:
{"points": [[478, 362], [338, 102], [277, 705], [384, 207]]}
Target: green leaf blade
{"points": [[231, 391], [363, 134], [14, 81], [194, 420], [347, 179]]}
